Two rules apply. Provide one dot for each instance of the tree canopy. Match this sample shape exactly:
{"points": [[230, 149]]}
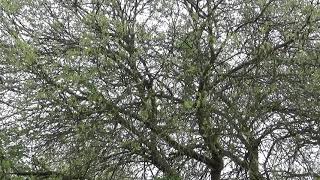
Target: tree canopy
{"points": [[163, 89]]}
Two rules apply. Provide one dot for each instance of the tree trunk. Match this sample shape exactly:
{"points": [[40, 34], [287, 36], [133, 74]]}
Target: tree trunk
{"points": [[254, 173], [217, 168]]}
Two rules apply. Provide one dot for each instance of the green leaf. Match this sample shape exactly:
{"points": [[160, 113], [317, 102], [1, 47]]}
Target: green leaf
{"points": [[188, 104], [6, 164]]}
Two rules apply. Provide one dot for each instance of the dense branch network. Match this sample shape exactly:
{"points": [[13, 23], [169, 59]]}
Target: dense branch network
{"points": [[188, 89]]}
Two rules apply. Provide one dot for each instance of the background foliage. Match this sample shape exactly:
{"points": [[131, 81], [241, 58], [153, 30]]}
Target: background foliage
{"points": [[138, 89]]}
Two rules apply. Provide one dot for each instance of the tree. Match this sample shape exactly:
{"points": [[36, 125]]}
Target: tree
{"points": [[187, 89]]}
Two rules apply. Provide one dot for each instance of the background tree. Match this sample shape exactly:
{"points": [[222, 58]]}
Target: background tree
{"points": [[190, 89]]}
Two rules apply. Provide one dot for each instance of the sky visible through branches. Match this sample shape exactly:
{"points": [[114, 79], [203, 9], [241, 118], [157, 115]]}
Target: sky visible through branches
{"points": [[170, 90]]}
